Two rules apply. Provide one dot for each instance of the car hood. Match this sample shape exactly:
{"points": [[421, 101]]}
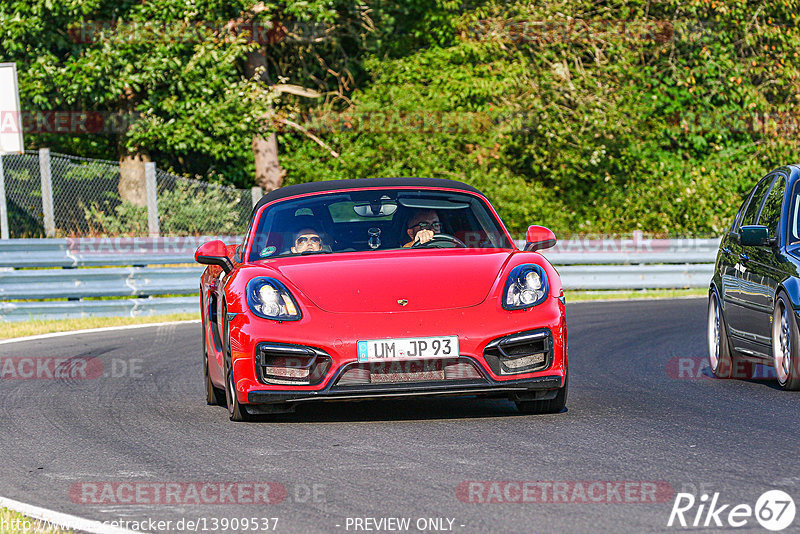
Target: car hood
{"points": [[381, 281]]}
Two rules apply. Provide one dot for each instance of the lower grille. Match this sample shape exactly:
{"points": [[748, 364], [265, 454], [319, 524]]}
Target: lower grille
{"points": [[407, 371], [525, 352]]}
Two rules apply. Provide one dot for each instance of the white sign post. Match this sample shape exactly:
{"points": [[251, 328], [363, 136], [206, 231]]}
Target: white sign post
{"points": [[10, 131]]}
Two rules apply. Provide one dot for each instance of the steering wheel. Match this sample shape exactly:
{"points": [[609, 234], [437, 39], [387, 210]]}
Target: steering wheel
{"points": [[441, 241]]}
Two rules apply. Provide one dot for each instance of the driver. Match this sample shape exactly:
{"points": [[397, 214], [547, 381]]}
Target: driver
{"points": [[307, 240], [422, 225]]}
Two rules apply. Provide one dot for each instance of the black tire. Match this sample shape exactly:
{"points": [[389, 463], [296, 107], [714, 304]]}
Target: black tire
{"points": [[723, 359], [214, 395], [236, 411], [785, 344], [554, 405]]}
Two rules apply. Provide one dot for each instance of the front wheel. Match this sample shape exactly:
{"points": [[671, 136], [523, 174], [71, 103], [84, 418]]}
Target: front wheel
{"points": [[554, 405], [214, 395], [785, 344], [236, 411]]}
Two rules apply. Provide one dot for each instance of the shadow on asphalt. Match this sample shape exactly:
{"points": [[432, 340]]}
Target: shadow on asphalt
{"points": [[767, 381], [399, 410]]}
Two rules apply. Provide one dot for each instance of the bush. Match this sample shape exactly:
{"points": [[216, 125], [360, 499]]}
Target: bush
{"points": [[188, 209]]}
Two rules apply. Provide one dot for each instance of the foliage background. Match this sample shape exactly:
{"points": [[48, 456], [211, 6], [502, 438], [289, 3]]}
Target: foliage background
{"points": [[585, 116]]}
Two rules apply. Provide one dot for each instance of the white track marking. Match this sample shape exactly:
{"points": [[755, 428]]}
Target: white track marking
{"points": [[92, 330], [62, 520]]}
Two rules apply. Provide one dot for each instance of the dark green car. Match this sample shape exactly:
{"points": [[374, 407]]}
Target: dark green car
{"points": [[754, 298]]}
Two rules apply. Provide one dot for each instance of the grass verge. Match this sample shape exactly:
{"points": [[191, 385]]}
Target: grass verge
{"points": [[35, 327], [579, 296], [12, 522]]}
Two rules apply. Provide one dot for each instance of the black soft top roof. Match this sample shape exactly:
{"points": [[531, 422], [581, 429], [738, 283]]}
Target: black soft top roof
{"points": [[338, 185]]}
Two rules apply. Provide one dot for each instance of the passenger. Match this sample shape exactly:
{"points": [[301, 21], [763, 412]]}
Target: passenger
{"points": [[307, 240]]}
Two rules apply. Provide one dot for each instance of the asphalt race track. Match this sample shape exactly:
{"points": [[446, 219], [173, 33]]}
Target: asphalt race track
{"points": [[139, 417]]}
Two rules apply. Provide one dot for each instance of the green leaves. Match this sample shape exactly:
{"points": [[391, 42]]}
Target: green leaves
{"points": [[581, 115]]}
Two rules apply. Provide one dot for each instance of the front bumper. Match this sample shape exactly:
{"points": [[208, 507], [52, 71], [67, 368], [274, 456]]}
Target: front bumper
{"points": [[336, 335], [527, 387]]}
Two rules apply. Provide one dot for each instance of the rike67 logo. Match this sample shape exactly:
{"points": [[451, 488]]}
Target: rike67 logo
{"points": [[774, 510]]}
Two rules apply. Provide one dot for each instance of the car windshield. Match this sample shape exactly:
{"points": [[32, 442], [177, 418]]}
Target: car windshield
{"points": [[367, 220]]}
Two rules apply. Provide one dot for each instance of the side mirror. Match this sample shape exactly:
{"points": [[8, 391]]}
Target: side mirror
{"points": [[214, 253], [754, 235], [538, 238]]}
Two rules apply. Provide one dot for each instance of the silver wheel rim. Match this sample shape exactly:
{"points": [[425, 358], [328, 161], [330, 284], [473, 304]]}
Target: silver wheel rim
{"points": [[713, 332], [782, 345]]}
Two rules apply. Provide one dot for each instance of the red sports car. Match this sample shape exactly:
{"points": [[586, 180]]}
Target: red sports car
{"points": [[380, 288]]}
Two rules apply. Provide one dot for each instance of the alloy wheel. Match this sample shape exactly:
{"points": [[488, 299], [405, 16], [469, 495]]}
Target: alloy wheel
{"points": [[782, 345], [714, 341]]}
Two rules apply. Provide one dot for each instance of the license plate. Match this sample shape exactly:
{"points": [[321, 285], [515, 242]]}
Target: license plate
{"points": [[411, 348]]}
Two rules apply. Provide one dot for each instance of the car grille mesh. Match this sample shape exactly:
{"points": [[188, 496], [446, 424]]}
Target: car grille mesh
{"points": [[407, 371]]}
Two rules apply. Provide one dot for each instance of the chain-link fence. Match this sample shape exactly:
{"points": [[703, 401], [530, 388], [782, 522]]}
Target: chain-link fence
{"points": [[86, 200], [83, 189], [194, 207], [23, 188]]}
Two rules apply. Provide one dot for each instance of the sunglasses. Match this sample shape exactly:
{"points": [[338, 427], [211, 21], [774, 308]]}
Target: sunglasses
{"points": [[313, 239], [428, 226]]}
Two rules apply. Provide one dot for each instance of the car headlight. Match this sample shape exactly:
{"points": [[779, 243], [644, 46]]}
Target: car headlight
{"points": [[268, 298], [525, 288]]}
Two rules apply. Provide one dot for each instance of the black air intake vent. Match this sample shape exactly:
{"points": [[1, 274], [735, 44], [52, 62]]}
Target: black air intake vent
{"points": [[525, 352], [279, 363]]}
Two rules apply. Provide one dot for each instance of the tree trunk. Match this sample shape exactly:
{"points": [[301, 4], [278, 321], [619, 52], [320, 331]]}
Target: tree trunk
{"points": [[269, 175], [132, 186]]}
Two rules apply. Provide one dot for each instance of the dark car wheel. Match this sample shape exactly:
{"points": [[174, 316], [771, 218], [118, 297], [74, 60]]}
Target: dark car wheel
{"points": [[725, 363], [214, 395], [785, 348], [236, 411], [554, 405]]}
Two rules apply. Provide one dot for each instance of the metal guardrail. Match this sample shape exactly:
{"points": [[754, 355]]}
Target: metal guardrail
{"points": [[88, 252], [40, 270], [589, 251], [101, 252], [632, 277], [112, 282], [24, 311]]}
